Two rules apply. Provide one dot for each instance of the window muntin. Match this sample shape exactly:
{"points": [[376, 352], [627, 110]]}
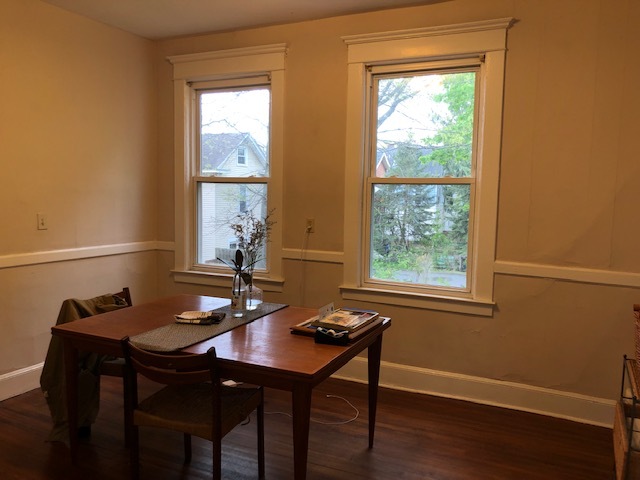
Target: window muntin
{"points": [[421, 176], [233, 162]]}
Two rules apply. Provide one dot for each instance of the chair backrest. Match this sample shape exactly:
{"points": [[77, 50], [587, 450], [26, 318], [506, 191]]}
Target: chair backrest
{"points": [[124, 295], [171, 369]]}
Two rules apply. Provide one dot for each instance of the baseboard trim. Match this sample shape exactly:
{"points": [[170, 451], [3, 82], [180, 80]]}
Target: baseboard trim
{"points": [[20, 381], [544, 401], [554, 403]]}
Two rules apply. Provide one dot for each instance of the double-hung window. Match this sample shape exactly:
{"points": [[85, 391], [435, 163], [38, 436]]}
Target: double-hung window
{"points": [[232, 162], [423, 149], [228, 108], [419, 192]]}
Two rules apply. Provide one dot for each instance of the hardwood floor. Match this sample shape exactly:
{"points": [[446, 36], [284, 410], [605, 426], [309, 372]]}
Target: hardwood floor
{"points": [[418, 437]]}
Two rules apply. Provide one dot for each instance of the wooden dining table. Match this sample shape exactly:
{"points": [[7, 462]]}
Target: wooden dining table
{"points": [[262, 352]]}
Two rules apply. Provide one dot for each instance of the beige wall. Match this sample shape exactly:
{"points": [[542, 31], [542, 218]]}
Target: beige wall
{"points": [[82, 102], [566, 189], [77, 143]]}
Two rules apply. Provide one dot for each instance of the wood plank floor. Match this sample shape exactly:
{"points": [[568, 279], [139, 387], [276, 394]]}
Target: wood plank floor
{"points": [[418, 437]]}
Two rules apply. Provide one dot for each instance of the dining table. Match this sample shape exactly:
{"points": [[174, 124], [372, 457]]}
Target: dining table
{"points": [[263, 350]]}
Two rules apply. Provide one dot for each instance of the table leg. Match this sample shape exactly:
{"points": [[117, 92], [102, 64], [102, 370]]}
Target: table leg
{"points": [[71, 394], [301, 401], [374, 354]]}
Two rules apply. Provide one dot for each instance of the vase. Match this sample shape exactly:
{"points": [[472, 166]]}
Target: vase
{"points": [[254, 296], [238, 296]]}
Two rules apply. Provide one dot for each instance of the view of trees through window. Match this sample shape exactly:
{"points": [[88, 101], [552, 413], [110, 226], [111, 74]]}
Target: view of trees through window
{"points": [[422, 177]]}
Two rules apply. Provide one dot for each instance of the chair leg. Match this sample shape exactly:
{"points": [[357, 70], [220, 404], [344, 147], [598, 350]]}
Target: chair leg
{"points": [[134, 453], [260, 422], [127, 416], [187, 448], [217, 459]]}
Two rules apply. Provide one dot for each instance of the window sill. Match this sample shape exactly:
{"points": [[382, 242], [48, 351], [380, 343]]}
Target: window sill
{"points": [[214, 279], [429, 302]]}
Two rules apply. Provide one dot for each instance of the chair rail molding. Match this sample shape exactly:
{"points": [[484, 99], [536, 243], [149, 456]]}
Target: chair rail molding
{"points": [[574, 274], [80, 253]]}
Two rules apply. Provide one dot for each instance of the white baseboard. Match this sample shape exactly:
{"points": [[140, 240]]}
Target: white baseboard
{"points": [[20, 381], [554, 403]]}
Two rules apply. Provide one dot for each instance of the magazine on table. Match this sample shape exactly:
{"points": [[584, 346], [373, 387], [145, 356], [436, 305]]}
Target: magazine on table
{"points": [[339, 320]]}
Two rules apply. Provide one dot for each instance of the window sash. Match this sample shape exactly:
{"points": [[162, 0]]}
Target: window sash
{"points": [[375, 75], [212, 87]]}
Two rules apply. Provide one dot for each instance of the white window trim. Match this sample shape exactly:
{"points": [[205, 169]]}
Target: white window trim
{"points": [[213, 66], [486, 39]]}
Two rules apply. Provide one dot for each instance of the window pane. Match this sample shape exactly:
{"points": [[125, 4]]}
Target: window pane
{"points": [[419, 234], [425, 125], [219, 204], [234, 133]]}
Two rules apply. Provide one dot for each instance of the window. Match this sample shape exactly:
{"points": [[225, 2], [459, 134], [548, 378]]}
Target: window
{"points": [[228, 107], [420, 198], [423, 148], [242, 159], [226, 117]]}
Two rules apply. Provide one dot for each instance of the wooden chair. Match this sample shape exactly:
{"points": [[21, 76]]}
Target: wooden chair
{"points": [[115, 367], [193, 401], [91, 364], [125, 296]]}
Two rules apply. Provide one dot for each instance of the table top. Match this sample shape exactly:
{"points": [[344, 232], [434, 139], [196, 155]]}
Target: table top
{"points": [[259, 349]]}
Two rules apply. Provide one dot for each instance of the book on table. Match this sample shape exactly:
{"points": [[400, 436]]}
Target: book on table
{"points": [[351, 320], [345, 319]]}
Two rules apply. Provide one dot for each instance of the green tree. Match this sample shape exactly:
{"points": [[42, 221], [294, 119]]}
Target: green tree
{"points": [[403, 213], [451, 147]]}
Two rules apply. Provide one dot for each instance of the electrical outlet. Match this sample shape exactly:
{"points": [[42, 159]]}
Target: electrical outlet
{"points": [[310, 228], [42, 221]]}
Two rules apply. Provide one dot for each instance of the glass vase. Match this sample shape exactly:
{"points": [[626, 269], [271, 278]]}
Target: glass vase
{"points": [[254, 296], [238, 296]]}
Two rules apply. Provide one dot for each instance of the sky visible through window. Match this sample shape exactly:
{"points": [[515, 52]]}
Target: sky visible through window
{"points": [[240, 111]]}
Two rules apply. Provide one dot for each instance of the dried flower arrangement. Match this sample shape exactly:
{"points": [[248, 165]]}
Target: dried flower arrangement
{"points": [[252, 234]]}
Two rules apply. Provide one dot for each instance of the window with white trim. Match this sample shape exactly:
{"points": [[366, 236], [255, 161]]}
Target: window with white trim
{"points": [[242, 155], [228, 148], [423, 150]]}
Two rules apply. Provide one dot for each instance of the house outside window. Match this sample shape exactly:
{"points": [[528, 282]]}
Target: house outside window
{"points": [[228, 108], [242, 207], [420, 224]]}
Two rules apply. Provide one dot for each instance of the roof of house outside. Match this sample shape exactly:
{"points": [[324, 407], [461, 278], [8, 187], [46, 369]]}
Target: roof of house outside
{"points": [[387, 156], [217, 148]]}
